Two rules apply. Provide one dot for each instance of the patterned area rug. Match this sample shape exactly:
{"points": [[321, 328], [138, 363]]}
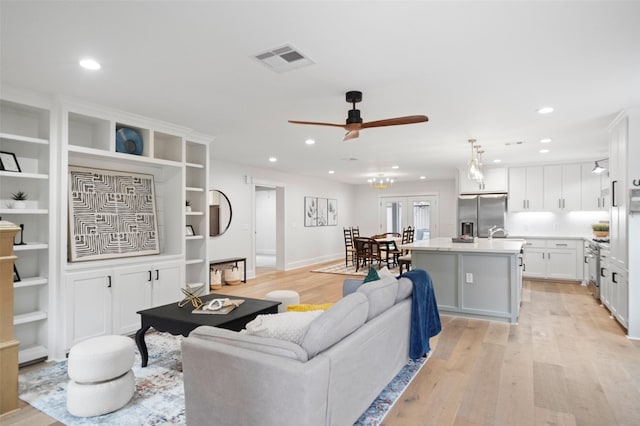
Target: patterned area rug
{"points": [[159, 396], [339, 268]]}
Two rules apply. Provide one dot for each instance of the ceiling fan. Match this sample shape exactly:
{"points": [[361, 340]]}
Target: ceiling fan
{"points": [[354, 122]]}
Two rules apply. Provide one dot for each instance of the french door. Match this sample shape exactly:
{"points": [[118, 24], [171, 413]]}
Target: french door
{"points": [[419, 212]]}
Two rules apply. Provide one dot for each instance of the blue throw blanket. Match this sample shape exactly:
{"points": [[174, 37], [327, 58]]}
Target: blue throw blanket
{"points": [[425, 319]]}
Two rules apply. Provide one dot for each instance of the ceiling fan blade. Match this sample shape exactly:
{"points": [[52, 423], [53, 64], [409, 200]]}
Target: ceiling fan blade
{"points": [[411, 119], [351, 134], [315, 123]]}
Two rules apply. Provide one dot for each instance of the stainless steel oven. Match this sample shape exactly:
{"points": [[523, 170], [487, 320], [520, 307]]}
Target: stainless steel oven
{"points": [[592, 258]]}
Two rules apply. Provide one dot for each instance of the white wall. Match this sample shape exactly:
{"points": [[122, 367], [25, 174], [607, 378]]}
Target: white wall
{"points": [[265, 221], [556, 224], [367, 200], [303, 245]]}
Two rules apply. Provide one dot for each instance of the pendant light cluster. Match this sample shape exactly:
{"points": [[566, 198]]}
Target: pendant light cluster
{"points": [[380, 182], [475, 169]]}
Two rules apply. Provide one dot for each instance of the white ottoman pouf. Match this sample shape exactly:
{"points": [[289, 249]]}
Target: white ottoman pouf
{"points": [[101, 358], [96, 399], [101, 377], [285, 297]]}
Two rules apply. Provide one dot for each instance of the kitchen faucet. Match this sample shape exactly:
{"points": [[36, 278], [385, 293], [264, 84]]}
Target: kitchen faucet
{"points": [[494, 229]]}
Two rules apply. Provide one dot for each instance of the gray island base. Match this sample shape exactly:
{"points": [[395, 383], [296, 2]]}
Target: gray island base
{"points": [[478, 280]]}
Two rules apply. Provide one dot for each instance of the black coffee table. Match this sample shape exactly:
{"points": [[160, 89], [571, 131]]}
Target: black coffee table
{"points": [[175, 320]]}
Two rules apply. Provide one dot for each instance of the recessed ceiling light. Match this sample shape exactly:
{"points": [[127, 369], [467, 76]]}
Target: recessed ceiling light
{"points": [[395, 167], [545, 110], [273, 159], [497, 160], [89, 64], [331, 172], [543, 151], [547, 140], [423, 177], [310, 142]]}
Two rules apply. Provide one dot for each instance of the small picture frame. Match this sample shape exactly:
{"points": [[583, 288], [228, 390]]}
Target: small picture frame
{"points": [[9, 162], [190, 232], [16, 275]]}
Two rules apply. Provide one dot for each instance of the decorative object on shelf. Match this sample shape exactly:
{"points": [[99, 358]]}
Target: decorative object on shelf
{"points": [[18, 200], [189, 231], [232, 275], [187, 206], [128, 141], [219, 213], [16, 275], [192, 298], [215, 279], [21, 243], [600, 230], [9, 162], [111, 214], [381, 182]]}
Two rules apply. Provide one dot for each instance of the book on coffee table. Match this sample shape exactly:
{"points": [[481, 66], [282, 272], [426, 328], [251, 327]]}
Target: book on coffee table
{"points": [[218, 306]]}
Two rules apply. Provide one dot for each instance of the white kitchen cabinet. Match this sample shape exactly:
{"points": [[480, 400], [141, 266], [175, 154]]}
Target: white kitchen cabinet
{"points": [[144, 286], [618, 194], [594, 189], [526, 189], [562, 188], [553, 259], [495, 180], [619, 305]]}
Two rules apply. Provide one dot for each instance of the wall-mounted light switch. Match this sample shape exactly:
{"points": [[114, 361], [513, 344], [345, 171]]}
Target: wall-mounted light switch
{"points": [[469, 278]]}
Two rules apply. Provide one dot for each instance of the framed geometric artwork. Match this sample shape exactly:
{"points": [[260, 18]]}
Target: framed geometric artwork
{"points": [[111, 214], [332, 211]]}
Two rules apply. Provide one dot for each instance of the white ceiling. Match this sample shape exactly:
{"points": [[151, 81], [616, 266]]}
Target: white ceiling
{"points": [[476, 69]]}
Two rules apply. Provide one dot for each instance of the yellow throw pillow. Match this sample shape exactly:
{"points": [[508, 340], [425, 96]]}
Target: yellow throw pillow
{"points": [[303, 307]]}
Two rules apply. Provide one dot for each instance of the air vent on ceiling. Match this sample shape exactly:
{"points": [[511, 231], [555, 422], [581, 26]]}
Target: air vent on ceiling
{"points": [[283, 58]]}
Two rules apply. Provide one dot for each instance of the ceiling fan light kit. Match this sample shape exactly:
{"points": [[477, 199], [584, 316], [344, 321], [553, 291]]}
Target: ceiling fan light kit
{"points": [[354, 122]]}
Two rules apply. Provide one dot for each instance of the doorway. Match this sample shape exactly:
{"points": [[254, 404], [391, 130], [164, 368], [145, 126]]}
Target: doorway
{"points": [[265, 228], [418, 211]]}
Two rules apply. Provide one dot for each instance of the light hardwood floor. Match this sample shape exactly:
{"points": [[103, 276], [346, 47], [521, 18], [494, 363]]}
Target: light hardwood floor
{"points": [[565, 363]]}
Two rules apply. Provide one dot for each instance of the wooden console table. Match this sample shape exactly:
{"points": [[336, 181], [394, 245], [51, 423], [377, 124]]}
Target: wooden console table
{"points": [[231, 260], [8, 342]]}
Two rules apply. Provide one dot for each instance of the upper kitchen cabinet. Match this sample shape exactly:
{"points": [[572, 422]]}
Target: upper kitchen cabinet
{"points": [[595, 188], [618, 151], [562, 187], [495, 180], [526, 189]]}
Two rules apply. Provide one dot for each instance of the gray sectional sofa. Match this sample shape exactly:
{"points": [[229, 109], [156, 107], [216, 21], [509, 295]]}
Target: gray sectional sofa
{"points": [[347, 356]]}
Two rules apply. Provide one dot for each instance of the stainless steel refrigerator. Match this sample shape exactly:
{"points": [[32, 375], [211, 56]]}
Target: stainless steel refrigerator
{"points": [[478, 213]]}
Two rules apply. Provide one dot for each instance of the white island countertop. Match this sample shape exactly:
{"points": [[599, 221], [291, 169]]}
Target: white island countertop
{"points": [[481, 245]]}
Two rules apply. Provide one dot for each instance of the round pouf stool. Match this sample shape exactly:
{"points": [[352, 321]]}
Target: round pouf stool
{"points": [[101, 376], [285, 297]]}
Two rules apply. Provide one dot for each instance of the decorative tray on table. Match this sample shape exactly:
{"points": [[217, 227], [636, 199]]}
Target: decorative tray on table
{"points": [[463, 239]]}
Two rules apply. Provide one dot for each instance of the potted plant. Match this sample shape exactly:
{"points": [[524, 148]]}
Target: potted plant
{"points": [[188, 206], [600, 229], [19, 199]]}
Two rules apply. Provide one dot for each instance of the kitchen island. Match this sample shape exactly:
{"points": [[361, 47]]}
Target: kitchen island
{"points": [[481, 280]]}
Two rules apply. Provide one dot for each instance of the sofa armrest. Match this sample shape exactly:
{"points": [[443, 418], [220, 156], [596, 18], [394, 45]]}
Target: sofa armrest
{"points": [[350, 285]]}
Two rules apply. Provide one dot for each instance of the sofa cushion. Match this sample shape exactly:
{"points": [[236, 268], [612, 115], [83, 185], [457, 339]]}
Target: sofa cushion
{"points": [[265, 345], [372, 275], [405, 288], [342, 319], [381, 295], [350, 285], [290, 326]]}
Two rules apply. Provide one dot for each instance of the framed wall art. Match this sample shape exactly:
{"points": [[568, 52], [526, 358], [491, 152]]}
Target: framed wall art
{"points": [[310, 211], [111, 214], [332, 212], [9, 162], [320, 211]]}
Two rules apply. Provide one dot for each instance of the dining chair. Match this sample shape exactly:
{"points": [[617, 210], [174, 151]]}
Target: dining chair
{"points": [[349, 249], [355, 231], [403, 257], [367, 249]]}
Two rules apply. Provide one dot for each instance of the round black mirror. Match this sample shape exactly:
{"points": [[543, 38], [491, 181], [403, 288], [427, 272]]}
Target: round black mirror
{"points": [[219, 213]]}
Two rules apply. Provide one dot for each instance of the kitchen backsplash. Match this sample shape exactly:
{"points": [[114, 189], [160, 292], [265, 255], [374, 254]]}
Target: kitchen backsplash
{"points": [[576, 223]]}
